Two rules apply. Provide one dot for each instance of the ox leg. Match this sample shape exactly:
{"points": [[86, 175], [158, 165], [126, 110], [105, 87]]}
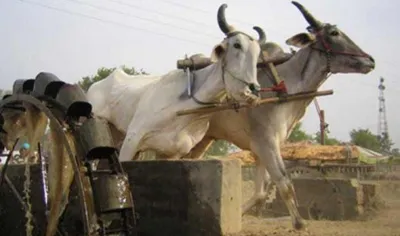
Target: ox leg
{"points": [[129, 149], [259, 190], [269, 155], [118, 136], [198, 151]]}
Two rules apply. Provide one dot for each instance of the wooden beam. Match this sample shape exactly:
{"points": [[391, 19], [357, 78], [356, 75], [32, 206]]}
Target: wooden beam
{"points": [[283, 98]]}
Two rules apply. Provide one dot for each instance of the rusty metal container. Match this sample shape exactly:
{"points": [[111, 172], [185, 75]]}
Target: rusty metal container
{"points": [[23, 86], [96, 138], [113, 192], [46, 84], [73, 98]]}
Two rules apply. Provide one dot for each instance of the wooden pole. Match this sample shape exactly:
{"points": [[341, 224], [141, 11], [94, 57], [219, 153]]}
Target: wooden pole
{"points": [[272, 68], [283, 98], [322, 126]]}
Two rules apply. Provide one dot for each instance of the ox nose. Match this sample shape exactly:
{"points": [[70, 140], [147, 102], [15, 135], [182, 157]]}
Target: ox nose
{"points": [[371, 58], [255, 89], [372, 65]]}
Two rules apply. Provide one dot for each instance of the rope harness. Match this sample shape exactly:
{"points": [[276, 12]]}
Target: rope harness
{"points": [[329, 52], [279, 85]]}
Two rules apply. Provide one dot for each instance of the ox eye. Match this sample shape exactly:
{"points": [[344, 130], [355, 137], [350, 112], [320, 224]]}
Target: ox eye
{"points": [[334, 33], [237, 45]]}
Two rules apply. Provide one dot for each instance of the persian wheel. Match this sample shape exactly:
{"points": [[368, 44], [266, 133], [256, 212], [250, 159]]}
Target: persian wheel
{"points": [[100, 200]]}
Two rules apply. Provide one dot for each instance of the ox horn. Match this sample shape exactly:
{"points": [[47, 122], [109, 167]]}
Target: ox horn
{"points": [[261, 35], [223, 25], [307, 15]]}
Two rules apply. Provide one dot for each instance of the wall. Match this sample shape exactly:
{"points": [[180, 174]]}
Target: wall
{"points": [[332, 198]]}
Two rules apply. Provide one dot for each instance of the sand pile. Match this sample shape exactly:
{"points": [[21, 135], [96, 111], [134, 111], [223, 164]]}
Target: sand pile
{"points": [[306, 151]]}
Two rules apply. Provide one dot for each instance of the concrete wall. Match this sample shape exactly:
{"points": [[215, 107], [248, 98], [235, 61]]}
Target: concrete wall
{"points": [[329, 198], [171, 198]]}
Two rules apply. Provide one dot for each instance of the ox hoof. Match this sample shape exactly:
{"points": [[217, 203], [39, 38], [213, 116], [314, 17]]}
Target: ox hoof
{"points": [[299, 224]]}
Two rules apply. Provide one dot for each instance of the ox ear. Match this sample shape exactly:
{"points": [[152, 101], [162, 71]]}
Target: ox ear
{"points": [[301, 40], [218, 51]]}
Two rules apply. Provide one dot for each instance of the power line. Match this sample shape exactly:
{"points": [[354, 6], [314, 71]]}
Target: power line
{"points": [[138, 17], [186, 6], [138, 29], [110, 22], [371, 85], [209, 12], [134, 6]]}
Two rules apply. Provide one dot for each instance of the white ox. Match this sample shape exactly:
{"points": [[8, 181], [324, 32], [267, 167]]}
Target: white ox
{"points": [[262, 129], [144, 107]]}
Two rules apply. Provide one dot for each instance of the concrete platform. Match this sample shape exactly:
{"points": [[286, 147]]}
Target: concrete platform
{"points": [[201, 197], [326, 199]]}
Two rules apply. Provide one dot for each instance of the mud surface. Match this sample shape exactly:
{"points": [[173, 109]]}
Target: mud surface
{"points": [[383, 219]]}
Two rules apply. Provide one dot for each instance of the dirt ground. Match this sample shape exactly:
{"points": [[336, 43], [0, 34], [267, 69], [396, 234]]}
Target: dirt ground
{"points": [[384, 220]]}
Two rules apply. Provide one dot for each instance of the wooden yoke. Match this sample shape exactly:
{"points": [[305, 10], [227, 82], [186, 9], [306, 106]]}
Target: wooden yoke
{"points": [[271, 66], [199, 62], [194, 63], [280, 99]]}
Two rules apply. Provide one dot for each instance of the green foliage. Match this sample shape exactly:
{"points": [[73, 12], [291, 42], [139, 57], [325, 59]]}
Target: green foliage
{"points": [[328, 140], [4, 92], [103, 72], [385, 143], [365, 138], [218, 148], [298, 134], [396, 152]]}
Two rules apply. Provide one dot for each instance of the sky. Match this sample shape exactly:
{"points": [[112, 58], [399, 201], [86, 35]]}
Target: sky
{"points": [[73, 38]]}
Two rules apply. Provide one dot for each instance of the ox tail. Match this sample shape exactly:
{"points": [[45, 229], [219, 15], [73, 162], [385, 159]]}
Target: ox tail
{"points": [[60, 177]]}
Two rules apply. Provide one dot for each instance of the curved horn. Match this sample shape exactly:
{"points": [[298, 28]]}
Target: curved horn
{"points": [[307, 15], [223, 25], [261, 35]]}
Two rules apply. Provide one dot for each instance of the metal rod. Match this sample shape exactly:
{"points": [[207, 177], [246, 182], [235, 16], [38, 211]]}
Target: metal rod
{"points": [[189, 82], [44, 176], [284, 98], [3, 170], [16, 193], [21, 201]]}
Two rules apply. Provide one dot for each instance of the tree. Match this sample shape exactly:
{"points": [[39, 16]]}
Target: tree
{"points": [[4, 92], [365, 138], [298, 134], [218, 148], [103, 72], [396, 152], [385, 143], [328, 140]]}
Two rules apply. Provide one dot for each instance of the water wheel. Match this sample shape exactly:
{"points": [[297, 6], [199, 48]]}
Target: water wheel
{"points": [[100, 188]]}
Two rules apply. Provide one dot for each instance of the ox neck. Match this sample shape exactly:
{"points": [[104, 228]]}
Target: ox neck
{"points": [[208, 82], [306, 71]]}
